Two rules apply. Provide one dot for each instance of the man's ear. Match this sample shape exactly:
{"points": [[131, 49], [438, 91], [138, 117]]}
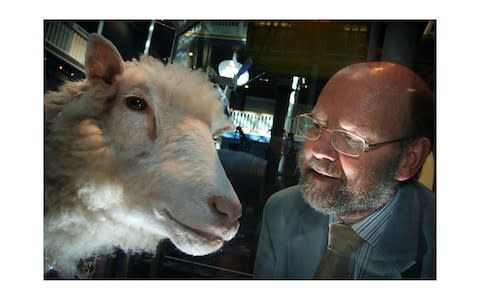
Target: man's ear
{"points": [[413, 158]]}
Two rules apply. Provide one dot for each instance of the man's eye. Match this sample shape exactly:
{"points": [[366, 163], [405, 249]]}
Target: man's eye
{"points": [[351, 139], [136, 103], [318, 127]]}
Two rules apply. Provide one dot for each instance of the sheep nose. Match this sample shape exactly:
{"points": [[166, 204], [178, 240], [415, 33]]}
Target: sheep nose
{"points": [[229, 209]]}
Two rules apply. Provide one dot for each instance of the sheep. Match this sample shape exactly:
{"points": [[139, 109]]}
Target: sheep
{"points": [[130, 161]]}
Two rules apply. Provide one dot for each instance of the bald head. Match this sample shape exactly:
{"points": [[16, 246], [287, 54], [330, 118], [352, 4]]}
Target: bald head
{"points": [[387, 96], [383, 79]]}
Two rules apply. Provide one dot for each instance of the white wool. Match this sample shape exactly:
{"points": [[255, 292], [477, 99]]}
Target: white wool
{"points": [[100, 197], [115, 177]]}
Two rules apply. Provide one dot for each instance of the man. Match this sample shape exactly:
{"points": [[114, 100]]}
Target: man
{"points": [[366, 141]]}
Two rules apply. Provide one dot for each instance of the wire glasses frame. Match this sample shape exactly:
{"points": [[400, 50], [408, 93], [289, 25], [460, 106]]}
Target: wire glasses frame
{"points": [[342, 141]]}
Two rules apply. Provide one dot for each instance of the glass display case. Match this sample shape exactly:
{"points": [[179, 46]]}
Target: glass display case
{"points": [[270, 71]]}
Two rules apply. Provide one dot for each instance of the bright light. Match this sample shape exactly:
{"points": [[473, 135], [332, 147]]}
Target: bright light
{"points": [[229, 68], [291, 101], [294, 82]]}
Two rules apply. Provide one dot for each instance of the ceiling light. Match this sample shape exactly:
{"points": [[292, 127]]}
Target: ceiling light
{"points": [[229, 68]]}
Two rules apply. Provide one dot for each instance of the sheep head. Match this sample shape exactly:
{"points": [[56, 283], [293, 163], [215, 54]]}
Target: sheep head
{"points": [[130, 160]]}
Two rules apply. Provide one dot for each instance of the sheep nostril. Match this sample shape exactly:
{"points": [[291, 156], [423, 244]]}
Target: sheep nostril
{"points": [[232, 210]]}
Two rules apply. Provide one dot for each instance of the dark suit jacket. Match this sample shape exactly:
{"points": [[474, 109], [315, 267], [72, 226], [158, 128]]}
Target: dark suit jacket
{"points": [[294, 237]]}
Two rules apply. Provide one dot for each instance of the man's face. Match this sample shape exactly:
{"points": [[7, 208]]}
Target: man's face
{"points": [[365, 190], [336, 183]]}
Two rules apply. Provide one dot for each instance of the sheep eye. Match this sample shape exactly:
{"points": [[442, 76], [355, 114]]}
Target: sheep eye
{"points": [[136, 103]]}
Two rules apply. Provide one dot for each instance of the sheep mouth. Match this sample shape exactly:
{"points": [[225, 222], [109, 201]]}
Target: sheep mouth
{"points": [[181, 227]]}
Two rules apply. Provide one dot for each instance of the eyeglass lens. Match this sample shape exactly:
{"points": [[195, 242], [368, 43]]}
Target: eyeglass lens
{"points": [[342, 141], [347, 143]]}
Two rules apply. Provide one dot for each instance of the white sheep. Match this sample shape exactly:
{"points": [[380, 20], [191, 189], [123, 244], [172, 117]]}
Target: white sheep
{"points": [[130, 160]]}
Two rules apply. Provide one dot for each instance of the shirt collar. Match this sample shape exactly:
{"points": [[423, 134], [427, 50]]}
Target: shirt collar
{"points": [[371, 228]]}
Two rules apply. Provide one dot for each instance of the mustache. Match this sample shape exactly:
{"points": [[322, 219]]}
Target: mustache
{"points": [[322, 166]]}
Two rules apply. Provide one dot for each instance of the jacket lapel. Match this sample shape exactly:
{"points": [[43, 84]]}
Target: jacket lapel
{"points": [[396, 251], [309, 241]]}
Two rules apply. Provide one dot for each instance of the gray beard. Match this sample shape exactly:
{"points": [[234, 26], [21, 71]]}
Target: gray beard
{"points": [[345, 199]]}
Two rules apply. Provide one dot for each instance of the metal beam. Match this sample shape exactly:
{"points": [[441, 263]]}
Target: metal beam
{"points": [[180, 31]]}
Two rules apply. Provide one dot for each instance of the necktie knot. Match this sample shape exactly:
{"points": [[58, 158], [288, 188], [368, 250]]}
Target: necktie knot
{"points": [[343, 240]]}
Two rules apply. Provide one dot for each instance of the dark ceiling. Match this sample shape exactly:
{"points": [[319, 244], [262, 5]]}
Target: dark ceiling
{"points": [[312, 49]]}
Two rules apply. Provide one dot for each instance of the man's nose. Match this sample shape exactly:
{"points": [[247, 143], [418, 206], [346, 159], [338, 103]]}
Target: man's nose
{"points": [[322, 147]]}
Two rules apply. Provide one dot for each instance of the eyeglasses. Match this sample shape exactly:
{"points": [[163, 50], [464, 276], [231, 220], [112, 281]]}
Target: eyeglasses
{"points": [[345, 142]]}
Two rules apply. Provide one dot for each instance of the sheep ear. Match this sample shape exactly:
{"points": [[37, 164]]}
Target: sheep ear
{"points": [[102, 60]]}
